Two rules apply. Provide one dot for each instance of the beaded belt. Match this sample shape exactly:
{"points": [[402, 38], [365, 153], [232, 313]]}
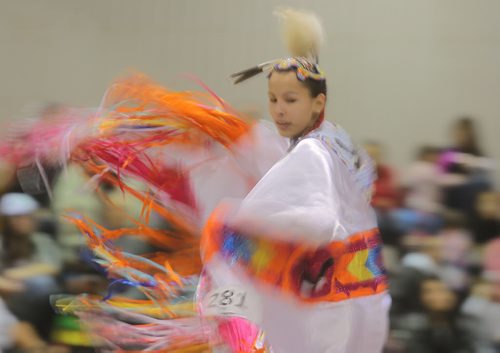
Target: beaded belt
{"points": [[337, 271]]}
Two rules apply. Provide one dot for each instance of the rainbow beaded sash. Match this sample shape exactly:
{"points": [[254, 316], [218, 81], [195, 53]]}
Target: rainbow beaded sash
{"points": [[338, 271]]}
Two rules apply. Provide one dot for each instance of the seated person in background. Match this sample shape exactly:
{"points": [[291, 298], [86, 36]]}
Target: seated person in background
{"points": [[30, 258], [483, 306], [423, 182], [456, 254], [446, 255], [105, 204], [385, 194], [486, 222], [422, 259], [465, 157], [491, 261], [77, 193], [385, 197], [437, 326], [21, 178]]}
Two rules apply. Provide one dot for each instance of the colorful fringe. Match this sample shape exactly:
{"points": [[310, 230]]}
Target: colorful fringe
{"points": [[128, 138]]}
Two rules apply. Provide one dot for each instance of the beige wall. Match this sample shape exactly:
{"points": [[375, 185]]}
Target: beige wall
{"points": [[399, 70]]}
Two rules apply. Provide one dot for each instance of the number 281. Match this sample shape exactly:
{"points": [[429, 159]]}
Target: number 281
{"points": [[226, 298]]}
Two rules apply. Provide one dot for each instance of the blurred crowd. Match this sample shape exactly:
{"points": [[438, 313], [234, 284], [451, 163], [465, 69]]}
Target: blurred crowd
{"points": [[42, 254], [439, 219]]}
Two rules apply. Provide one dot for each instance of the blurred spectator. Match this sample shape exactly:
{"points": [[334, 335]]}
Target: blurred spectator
{"points": [[403, 288], [466, 158], [385, 197], [491, 260], [30, 258], [421, 260], [455, 249], [456, 240], [449, 253], [423, 183], [437, 327], [76, 192], [424, 253], [422, 202], [27, 178], [483, 306], [484, 302], [385, 194], [7, 174], [486, 220]]}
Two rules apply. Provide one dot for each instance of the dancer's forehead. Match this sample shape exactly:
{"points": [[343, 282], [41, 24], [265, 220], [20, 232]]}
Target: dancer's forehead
{"points": [[286, 83]]}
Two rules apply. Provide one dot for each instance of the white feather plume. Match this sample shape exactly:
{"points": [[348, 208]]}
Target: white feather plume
{"points": [[302, 32]]}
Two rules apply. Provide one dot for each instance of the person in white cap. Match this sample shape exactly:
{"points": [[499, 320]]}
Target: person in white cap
{"points": [[28, 258]]}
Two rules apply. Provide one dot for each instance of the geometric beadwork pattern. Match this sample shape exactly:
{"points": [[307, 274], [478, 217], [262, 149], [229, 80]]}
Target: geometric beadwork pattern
{"points": [[337, 271]]}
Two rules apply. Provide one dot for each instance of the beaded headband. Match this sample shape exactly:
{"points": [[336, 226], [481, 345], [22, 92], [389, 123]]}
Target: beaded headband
{"points": [[305, 69]]}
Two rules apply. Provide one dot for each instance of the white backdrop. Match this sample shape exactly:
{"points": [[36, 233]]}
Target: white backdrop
{"points": [[399, 70]]}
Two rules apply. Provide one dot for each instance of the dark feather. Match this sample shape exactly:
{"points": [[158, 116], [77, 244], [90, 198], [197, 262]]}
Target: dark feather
{"points": [[246, 74]]}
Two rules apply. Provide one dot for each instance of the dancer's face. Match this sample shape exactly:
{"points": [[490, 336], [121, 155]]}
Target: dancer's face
{"points": [[291, 104]]}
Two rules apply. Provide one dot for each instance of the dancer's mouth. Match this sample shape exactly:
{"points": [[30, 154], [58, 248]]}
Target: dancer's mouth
{"points": [[282, 125]]}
